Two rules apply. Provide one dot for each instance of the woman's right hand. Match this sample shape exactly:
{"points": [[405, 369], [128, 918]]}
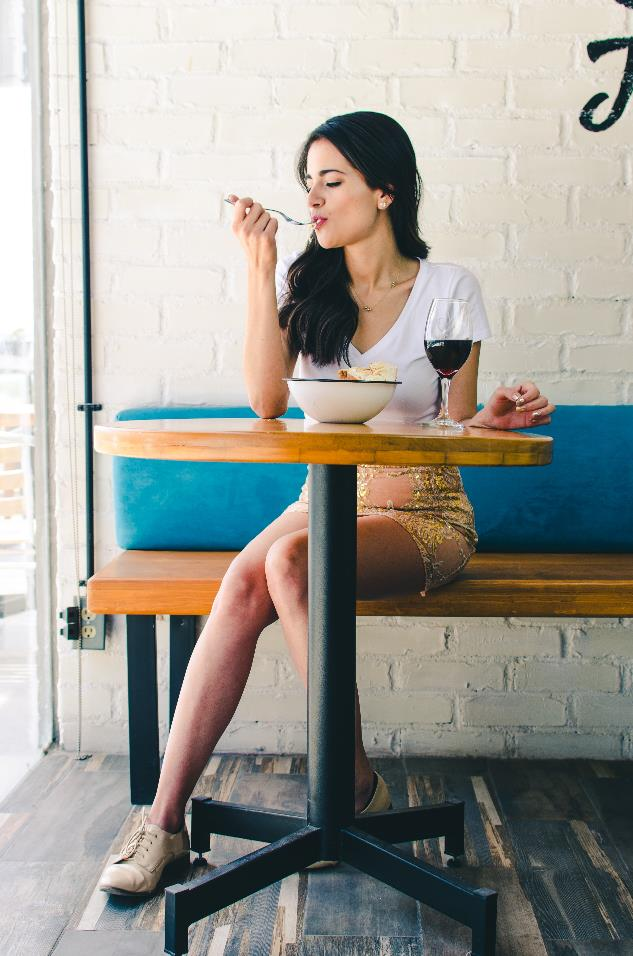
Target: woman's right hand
{"points": [[256, 230]]}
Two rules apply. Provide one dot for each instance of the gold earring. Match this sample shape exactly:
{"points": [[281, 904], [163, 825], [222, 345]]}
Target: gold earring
{"points": [[383, 205]]}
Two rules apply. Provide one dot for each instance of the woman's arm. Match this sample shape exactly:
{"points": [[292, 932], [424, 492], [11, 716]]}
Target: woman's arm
{"points": [[462, 397], [517, 406], [266, 358]]}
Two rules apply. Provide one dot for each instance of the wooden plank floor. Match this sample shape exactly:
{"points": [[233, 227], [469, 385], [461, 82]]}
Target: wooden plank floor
{"points": [[555, 839]]}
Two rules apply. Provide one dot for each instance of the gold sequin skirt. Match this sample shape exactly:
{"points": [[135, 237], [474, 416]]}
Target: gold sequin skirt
{"points": [[429, 503]]}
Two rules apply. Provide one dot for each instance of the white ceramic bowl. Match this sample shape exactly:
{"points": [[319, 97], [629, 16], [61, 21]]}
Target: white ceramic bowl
{"points": [[340, 401]]}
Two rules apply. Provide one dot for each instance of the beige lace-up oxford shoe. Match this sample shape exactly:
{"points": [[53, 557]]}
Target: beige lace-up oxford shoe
{"points": [[380, 800], [147, 853]]}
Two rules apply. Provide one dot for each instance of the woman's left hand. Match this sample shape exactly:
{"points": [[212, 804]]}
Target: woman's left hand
{"points": [[518, 406]]}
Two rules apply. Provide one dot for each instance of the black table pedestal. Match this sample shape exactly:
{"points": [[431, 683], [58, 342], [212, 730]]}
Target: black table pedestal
{"points": [[330, 830]]}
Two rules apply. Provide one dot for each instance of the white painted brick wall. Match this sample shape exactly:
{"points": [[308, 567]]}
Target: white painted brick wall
{"points": [[189, 101]]}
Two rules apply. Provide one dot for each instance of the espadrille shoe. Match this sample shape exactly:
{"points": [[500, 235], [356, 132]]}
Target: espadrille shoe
{"points": [[145, 856], [380, 800]]}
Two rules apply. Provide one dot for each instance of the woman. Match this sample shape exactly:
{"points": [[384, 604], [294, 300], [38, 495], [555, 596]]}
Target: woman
{"points": [[359, 292]]}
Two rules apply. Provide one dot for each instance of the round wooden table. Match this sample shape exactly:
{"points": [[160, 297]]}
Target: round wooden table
{"points": [[329, 830]]}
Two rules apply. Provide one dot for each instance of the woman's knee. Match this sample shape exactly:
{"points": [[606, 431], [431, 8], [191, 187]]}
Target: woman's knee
{"points": [[286, 564], [244, 591]]}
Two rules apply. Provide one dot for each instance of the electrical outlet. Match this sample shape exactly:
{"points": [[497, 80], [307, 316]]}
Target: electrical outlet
{"points": [[92, 628]]}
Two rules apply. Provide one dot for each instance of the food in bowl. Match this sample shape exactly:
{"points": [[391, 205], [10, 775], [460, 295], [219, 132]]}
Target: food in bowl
{"points": [[374, 372], [344, 401]]}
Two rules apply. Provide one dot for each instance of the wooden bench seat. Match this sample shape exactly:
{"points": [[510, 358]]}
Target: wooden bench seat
{"points": [[492, 585], [183, 585]]}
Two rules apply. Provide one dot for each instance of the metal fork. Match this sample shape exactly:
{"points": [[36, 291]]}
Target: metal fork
{"points": [[295, 222]]}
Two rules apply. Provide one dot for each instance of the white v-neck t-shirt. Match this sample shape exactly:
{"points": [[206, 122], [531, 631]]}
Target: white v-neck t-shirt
{"points": [[417, 399]]}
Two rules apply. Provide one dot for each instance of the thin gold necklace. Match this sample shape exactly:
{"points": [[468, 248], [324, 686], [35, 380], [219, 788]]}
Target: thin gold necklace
{"points": [[370, 308]]}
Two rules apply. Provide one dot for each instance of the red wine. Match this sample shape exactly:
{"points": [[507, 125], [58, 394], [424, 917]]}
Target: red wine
{"points": [[448, 355]]}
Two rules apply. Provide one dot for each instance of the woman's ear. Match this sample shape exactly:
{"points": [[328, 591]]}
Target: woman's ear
{"points": [[388, 195]]}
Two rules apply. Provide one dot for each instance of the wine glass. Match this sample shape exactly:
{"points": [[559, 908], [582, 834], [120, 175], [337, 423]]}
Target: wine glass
{"points": [[448, 339]]}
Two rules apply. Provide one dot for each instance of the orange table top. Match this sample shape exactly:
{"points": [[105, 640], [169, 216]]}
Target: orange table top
{"points": [[292, 441]]}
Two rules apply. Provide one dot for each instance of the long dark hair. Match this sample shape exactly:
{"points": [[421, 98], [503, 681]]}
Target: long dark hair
{"points": [[318, 310]]}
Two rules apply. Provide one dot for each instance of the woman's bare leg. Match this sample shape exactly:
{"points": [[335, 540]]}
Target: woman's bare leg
{"points": [[217, 672], [388, 563]]}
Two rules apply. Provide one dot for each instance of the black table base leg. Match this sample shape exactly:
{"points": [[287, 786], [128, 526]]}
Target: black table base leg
{"points": [[142, 686], [418, 823], [441, 891], [239, 820], [185, 903], [485, 925]]}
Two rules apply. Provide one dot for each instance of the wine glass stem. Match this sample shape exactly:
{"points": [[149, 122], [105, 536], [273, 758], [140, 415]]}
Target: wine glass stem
{"points": [[446, 384]]}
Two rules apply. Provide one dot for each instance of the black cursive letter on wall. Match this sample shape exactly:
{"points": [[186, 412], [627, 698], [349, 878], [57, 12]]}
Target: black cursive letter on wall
{"points": [[596, 49]]}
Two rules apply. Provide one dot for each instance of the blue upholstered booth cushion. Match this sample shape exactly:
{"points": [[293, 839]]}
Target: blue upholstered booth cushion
{"points": [[581, 502], [198, 505]]}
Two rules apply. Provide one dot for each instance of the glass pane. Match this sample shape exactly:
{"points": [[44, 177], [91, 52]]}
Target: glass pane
{"points": [[18, 633]]}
